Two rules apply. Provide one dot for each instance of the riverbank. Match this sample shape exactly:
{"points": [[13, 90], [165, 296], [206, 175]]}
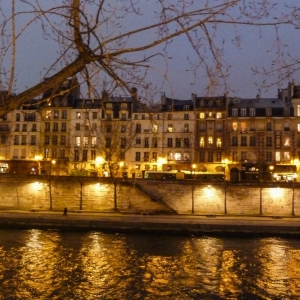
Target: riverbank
{"points": [[143, 223]]}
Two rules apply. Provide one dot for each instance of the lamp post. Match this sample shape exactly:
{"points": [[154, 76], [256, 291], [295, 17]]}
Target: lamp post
{"points": [[120, 165], [193, 188], [53, 162], [38, 159]]}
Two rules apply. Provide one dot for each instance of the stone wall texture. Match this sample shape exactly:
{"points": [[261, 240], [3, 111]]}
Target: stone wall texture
{"points": [[147, 196]]}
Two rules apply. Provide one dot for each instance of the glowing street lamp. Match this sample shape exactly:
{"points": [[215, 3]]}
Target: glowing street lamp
{"points": [[38, 158]]}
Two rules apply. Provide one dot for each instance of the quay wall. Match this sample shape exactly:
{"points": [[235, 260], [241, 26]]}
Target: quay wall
{"points": [[148, 196]]}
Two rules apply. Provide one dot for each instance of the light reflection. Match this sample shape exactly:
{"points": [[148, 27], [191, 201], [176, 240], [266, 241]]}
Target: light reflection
{"points": [[274, 260], [37, 264]]}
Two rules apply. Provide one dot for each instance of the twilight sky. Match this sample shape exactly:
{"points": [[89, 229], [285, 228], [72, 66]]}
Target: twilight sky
{"points": [[257, 49]]}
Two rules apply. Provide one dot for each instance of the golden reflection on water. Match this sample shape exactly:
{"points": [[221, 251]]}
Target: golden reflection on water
{"points": [[37, 265], [279, 268], [55, 265]]}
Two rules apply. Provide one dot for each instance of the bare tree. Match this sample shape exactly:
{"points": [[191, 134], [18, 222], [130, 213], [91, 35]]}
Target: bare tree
{"points": [[117, 44]]}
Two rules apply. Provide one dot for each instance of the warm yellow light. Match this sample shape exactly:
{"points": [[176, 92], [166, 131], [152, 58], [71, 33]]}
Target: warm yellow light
{"points": [[194, 166], [296, 161], [162, 160], [121, 164], [53, 161], [271, 168], [99, 160], [38, 157]]}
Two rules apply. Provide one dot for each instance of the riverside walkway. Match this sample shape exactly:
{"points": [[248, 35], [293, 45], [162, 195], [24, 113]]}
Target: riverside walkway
{"points": [[144, 223]]}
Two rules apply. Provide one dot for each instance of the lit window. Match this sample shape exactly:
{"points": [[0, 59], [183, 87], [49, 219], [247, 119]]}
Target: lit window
{"points": [[286, 156], [77, 141], [219, 142], [210, 140], [154, 128], [287, 142], [48, 114], [85, 141], [177, 156], [219, 115], [202, 142], [234, 126], [202, 115], [94, 141], [170, 128], [243, 126], [78, 115]]}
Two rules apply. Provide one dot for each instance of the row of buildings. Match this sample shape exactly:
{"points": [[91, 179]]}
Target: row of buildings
{"points": [[63, 134]]}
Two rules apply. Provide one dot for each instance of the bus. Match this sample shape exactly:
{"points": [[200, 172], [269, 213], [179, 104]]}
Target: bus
{"points": [[284, 173]]}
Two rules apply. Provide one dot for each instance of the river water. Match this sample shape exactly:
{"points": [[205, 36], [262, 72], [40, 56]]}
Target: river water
{"points": [[51, 264]]}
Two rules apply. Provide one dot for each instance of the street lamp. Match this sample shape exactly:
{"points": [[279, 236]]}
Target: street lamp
{"points": [[38, 158], [193, 178]]}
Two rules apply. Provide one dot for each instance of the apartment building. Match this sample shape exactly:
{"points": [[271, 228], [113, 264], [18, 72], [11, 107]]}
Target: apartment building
{"points": [[210, 134], [120, 135]]}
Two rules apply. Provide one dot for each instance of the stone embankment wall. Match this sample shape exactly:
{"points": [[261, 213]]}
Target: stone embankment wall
{"points": [[183, 197]]}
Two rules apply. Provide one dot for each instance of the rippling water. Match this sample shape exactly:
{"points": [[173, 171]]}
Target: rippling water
{"points": [[37, 264]]}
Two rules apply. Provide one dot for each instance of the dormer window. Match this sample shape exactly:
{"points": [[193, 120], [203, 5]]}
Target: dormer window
{"points": [[108, 105], [186, 107], [268, 112], [124, 106], [169, 107], [252, 112], [234, 112], [286, 111]]}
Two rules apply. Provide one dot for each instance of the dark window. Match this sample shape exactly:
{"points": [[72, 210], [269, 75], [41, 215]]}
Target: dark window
{"points": [[252, 141], [186, 142], [123, 142], [201, 156], [54, 140], [269, 141], [64, 114], [146, 156], [108, 142], [84, 155], [154, 142], [63, 126], [146, 142], [76, 155], [137, 156], [243, 141], [47, 126], [234, 141], [138, 128]]}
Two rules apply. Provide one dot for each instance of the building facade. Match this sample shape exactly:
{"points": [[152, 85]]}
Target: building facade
{"points": [[119, 136]]}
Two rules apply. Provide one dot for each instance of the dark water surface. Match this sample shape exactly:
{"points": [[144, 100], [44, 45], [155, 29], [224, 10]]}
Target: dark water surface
{"points": [[41, 264]]}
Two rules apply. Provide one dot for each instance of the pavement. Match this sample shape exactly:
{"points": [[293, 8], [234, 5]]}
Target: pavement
{"points": [[156, 223]]}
